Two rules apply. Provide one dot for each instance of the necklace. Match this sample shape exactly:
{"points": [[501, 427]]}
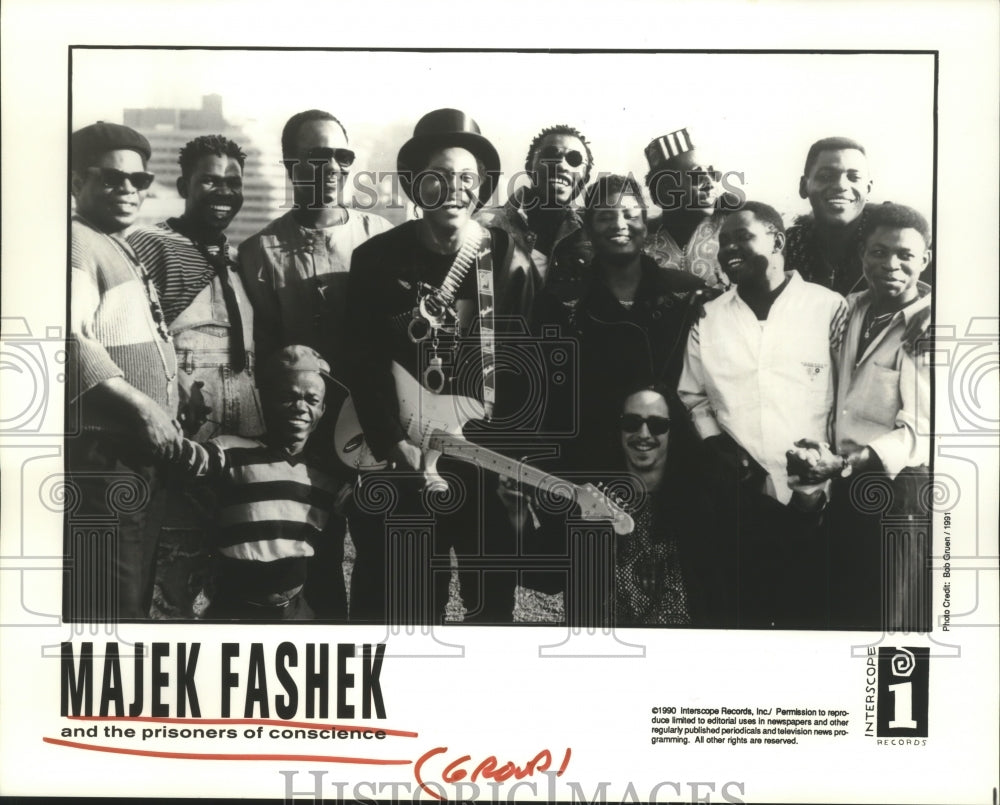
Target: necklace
{"points": [[876, 322]]}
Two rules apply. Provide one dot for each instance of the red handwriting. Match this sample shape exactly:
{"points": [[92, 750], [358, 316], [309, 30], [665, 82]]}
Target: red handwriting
{"points": [[488, 769]]}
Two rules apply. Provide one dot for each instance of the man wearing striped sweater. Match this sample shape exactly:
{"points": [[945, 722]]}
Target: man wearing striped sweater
{"points": [[126, 374], [275, 496]]}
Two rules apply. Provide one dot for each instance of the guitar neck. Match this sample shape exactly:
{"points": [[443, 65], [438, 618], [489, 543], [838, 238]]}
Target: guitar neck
{"points": [[457, 447]]}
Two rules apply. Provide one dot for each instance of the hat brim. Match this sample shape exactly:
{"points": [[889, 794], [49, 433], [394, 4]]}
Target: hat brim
{"points": [[413, 158]]}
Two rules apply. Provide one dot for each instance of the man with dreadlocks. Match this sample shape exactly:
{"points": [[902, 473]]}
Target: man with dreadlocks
{"points": [[209, 315], [541, 217], [206, 308]]}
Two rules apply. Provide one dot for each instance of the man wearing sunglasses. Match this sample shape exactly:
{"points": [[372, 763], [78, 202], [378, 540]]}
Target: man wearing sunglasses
{"points": [[123, 378], [690, 194], [295, 268], [295, 271], [541, 218]]}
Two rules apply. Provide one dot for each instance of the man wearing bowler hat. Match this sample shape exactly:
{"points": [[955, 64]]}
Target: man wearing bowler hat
{"points": [[688, 190], [434, 295], [124, 371]]}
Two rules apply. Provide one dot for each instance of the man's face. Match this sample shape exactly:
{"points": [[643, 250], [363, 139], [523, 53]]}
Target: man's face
{"points": [[320, 145], [293, 405], [689, 183], [746, 246], [105, 192], [644, 428], [559, 165], [213, 192], [837, 186], [618, 231], [892, 260], [448, 187]]}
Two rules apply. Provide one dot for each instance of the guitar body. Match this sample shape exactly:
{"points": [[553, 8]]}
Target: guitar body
{"points": [[434, 422], [421, 413]]}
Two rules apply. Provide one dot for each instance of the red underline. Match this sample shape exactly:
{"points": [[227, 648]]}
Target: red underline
{"points": [[267, 722], [200, 756]]}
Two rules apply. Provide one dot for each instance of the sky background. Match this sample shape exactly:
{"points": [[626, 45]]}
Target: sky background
{"points": [[751, 113]]}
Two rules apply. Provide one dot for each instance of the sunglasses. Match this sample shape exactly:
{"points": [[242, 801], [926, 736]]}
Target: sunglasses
{"points": [[632, 423], [553, 153], [112, 178], [342, 156]]}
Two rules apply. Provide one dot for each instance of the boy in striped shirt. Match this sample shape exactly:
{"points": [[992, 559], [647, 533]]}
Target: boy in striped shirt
{"points": [[275, 496]]}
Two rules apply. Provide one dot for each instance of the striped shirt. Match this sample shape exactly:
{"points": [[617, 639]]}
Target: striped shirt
{"points": [[176, 265], [272, 506]]}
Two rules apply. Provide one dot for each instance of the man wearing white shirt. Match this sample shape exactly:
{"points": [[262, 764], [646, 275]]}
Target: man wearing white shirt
{"points": [[758, 373]]}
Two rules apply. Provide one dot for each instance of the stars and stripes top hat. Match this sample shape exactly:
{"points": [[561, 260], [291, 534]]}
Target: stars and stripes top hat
{"points": [[668, 147]]}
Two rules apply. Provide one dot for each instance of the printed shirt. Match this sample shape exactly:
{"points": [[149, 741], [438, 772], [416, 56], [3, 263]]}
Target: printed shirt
{"points": [[765, 383], [296, 279], [700, 256], [804, 253], [884, 398]]}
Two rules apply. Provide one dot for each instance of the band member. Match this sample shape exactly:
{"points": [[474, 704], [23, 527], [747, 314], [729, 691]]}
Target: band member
{"points": [[825, 247], [126, 371], [430, 295], [195, 272], [690, 194], [630, 318], [542, 218], [276, 497], [758, 372], [666, 569], [882, 432], [295, 268]]}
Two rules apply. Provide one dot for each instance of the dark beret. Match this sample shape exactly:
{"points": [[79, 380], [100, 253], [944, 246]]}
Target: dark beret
{"points": [[90, 142]]}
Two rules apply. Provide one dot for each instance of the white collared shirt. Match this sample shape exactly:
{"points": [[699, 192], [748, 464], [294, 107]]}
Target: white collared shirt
{"points": [[765, 383]]}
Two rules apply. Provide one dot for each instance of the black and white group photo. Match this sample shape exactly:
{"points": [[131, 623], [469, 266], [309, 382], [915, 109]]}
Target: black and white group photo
{"points": [[600, 339]]}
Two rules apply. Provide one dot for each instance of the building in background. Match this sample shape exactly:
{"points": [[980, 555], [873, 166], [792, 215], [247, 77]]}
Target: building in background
{"points": [[169, 129], [266, 193]]}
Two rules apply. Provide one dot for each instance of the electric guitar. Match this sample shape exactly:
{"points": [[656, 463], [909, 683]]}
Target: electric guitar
{"points": [[434, 422]]}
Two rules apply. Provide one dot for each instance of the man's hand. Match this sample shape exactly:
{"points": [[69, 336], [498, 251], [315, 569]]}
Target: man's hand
{"points": [[728, 462], [157, 432], [515, 502], [147, 427], [811, 462], [405, 455]]}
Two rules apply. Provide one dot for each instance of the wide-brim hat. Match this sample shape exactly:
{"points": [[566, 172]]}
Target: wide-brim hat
{"points": [[447, 128]]}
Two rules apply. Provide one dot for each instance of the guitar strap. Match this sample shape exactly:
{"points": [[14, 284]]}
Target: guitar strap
{"points": [[484, 284]]}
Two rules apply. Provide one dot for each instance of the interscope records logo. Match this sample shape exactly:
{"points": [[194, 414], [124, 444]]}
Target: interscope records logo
{"points": [[903, 674]]}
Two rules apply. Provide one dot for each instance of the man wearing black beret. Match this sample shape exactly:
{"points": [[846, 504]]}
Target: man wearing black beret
{"points": [[125, 378]]}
